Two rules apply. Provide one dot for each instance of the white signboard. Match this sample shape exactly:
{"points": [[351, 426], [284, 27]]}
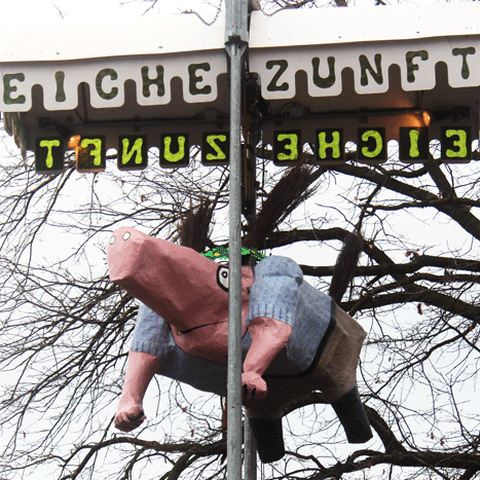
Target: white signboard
{"points": [[340, 75]]}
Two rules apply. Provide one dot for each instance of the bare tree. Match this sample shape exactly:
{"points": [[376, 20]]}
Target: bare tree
{"points": [[65, 328]]}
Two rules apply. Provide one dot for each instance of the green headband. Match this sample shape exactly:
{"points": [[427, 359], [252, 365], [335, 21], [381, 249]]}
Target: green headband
{"points": [[220, 253]]}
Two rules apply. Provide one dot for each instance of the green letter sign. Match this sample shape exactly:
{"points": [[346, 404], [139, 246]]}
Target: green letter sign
{"points": [[456, 144], [49, 155], [174, 150], [287, 147], [106, 72], [195, 79], [132, 153], [330, 146], [372, 144], [414, 144], [8, 88], [216, 147], [91, 154]]}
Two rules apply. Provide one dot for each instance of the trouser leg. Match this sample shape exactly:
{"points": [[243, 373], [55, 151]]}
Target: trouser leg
{"points": [[336, 371]]}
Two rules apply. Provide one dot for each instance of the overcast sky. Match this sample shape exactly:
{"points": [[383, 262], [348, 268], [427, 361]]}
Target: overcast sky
{"points": [[69, 9], [74, 9]]}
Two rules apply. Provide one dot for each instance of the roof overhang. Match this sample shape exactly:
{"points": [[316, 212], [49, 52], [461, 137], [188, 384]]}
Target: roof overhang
{"points": [[340, 68]]}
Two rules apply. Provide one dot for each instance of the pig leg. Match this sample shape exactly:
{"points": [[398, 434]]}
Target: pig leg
{"points": [[140, 370]]}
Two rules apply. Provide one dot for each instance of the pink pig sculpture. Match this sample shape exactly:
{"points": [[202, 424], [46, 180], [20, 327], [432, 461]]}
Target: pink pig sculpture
{"points": [[296, 340]]}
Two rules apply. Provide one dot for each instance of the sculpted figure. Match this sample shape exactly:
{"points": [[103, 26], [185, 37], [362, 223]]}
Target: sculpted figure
{"points": [[295, 339]]}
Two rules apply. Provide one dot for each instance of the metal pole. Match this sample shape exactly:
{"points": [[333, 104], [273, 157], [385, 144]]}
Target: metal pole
{"points": [[236, 38], [250, 455], [250, 460]]}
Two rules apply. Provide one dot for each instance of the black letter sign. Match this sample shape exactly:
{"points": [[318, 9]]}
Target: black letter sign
{"points": [[216, 148], [49, 155], [414, 144]]}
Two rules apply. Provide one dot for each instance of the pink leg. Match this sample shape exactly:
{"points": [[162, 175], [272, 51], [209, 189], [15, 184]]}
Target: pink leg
{"points": [[269, 337], [140, 370]]}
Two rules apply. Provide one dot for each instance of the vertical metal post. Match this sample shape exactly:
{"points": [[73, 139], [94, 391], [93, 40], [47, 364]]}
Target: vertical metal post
{"points": [[236, 38], [250, 460], [249, 177]]}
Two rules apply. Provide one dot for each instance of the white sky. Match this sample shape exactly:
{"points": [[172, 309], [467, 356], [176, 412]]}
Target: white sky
{"points": [[111, 9], [84, 9]]}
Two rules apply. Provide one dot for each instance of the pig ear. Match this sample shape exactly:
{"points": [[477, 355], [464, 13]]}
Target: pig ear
{"points": [[222, 277]]}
